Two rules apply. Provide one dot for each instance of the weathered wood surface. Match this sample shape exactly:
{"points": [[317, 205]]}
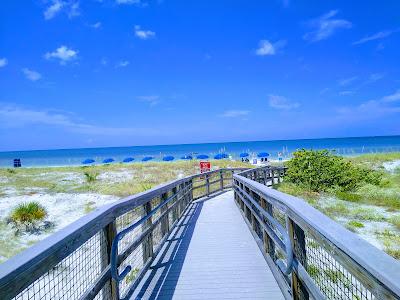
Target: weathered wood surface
{"points": [[379, 272], [210, 255]]}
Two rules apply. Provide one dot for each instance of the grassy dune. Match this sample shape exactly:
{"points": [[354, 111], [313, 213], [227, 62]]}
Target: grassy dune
{"points": [[113, 179], [373, 211]]}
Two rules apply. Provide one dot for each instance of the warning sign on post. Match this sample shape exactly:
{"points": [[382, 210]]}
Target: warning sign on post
{"points": [[205, 166]]}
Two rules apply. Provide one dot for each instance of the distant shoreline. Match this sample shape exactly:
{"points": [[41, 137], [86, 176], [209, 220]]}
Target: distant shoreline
{"points": [[280, 148]]}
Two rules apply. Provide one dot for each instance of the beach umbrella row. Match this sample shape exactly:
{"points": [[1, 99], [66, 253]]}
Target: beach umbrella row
{"points": [[171, 158]]}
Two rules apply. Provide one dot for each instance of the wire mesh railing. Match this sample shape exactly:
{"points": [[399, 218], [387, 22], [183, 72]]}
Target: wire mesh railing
{"points": [[328, 262], [76, 262]]}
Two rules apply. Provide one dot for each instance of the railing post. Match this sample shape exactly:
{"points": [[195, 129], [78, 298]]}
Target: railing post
{"points": [[269, 245], [110, 231], [297, 238], [174, 210], [164, 222], [147, 245], [208, 185], [191, 190], [221, 178]]}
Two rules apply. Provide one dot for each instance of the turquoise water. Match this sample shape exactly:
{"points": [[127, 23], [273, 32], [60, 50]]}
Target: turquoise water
{"points": [[342, 146]]}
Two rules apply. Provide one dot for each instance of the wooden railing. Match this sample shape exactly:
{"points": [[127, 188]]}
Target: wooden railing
{"points": [[311, 256], [327, 261], [75, 262]]}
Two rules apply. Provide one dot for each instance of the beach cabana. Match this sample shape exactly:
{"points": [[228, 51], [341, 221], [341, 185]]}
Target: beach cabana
{"points": [[263, 154], [187, 157], [128, 159], [147, 158], [221, 156], [202, 156], [108, 160], [168, 158], [244, 154], [88, 161]]}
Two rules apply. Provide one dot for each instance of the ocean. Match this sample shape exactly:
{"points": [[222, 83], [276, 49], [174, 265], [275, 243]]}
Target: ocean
{"points": [[65, 157]]}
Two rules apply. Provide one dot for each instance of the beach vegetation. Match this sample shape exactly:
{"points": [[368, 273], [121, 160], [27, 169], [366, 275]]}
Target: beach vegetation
{"points": [[321, 170], [395, 220], [91, 176], [28, 213]]}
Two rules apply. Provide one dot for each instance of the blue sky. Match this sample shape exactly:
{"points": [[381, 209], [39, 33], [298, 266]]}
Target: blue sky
{"points": [[128, 72]]}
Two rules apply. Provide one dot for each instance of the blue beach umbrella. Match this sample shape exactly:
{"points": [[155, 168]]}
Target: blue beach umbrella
{"points": [[128, 159], [221, 156], [168, 158], [202, 156], [244, 154], [187, 157], [88, 161], [263, 154], [147, 158], [108, 160]]}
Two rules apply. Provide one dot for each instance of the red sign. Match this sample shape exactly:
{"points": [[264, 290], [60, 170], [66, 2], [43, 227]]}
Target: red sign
{"points": [[205, 166]]}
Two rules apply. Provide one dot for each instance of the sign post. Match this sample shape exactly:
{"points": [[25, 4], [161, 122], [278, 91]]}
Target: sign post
{"points": [[205, 166]]}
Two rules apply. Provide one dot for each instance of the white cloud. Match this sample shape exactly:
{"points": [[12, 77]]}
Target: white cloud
{"points": [[122, 64], [347, 81], [234, 113], [13, 116], [377, 36], [3, 62], [53, 9], [143, 34], [268, 48], [71, 7], [375, 77], [127, 1], [96, 25], [280, 102], [373, 108], [392, 98], [325, 26], [63, 53], [31, 75], [152, 99]]}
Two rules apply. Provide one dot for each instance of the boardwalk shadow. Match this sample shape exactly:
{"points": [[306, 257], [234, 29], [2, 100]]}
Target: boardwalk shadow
{"points": [[161, 280]]}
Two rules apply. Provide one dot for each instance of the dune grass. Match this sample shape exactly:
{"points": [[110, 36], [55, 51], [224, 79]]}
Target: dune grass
{"points": [[28, 213], [140, 176]]}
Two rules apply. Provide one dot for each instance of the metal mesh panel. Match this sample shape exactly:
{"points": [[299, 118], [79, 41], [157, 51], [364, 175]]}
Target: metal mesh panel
{"points": [[71, 277], [135, 260], [330, 276]]}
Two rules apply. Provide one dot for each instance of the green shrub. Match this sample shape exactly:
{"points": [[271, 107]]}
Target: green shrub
{"points": [[91, 177], [320, 170], [355, 224], [28, 213]]}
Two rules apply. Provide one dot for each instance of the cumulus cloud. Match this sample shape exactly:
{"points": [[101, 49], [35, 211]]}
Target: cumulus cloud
{"points": [[268, 48], [12, 116], [143, 34], [281, 103], [63, 54], [325, 26], [234, 113], [71, 7], [53, 9], [3, 62], [31, 75], [377, 36]]}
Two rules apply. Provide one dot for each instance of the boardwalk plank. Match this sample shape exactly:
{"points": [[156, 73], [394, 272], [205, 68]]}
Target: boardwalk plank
{"points": [[211, 255]]}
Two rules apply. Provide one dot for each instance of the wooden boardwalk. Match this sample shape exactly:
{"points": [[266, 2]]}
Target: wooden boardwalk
{"points": [[210, 255]]}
